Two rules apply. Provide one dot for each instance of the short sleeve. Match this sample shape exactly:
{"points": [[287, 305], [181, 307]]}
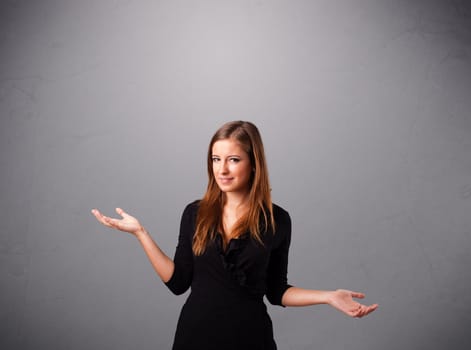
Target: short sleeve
{"points": [[277, 280], [183, 259]]}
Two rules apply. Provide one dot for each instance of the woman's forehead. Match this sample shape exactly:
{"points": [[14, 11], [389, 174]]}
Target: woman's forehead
{"points": [[227, 146]]}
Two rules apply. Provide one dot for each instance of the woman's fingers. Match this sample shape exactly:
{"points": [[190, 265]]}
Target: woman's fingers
{"points": [[365, 310], [126, 223], [104, 219], [342, 299], [99, 216], [372, 308], [357, 295], [122, 212], [361, 311]]}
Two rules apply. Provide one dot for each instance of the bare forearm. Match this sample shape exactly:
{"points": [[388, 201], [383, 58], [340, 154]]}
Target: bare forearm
{"points": [[295, 296], [340, 299], [161, 263]]}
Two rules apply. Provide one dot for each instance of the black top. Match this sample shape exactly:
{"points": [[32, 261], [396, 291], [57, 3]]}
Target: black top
{"points": [[225, 309]]}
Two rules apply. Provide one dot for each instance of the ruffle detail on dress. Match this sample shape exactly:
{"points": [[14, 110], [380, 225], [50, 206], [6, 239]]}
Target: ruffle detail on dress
{"points": [[230, 256]]}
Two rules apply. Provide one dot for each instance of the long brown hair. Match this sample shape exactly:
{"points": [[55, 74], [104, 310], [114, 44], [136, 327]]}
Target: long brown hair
{"points": [[209, 217]]}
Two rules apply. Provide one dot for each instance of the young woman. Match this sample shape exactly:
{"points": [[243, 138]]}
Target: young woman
{"points": [[232, 250]]}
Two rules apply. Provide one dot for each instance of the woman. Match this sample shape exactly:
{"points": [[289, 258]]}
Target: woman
{"points": [[232, 250]]}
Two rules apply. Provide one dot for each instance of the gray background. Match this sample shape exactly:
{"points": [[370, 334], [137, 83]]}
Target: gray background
{"points": [[364, 108]]}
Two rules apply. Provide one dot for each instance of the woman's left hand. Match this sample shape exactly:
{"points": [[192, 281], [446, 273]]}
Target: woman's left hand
{"points": [[342, 300]]}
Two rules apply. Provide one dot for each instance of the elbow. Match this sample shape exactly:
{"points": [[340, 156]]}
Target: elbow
{"points": [[275, 297], [273, 300], [178, 284], [177, 291]]}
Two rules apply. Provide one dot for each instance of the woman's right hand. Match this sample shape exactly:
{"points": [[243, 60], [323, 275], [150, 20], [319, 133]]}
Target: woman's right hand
{"points": [[343, 301], [128, 223]]}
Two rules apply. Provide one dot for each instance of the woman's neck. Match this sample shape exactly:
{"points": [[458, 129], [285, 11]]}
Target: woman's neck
{"points": [[236, 201]]}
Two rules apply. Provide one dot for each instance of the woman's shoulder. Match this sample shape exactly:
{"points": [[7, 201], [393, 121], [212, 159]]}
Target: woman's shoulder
{"points": [[279, 211], [192, 207], [280, 215], [189, 213], [282, 225]]}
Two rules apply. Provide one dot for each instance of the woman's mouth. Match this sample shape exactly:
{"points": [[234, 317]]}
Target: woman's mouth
{"points": [[225, 180]]}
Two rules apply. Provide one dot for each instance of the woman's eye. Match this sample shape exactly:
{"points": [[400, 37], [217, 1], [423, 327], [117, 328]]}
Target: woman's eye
{"points": [[215, 159], [234, 160]]}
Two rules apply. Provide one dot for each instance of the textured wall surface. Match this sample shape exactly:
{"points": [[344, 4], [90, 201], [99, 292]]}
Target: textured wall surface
{"points": [[365, 110]]}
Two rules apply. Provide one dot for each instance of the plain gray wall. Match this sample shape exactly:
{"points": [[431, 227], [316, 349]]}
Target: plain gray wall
{"points": [[364, 107]]}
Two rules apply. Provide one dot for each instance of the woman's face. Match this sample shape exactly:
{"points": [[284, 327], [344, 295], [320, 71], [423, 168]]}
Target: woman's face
{"points": [[231, 166]]}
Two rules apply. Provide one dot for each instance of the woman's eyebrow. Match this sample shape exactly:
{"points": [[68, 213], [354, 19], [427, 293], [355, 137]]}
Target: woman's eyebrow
{"points": [[229, 156]]}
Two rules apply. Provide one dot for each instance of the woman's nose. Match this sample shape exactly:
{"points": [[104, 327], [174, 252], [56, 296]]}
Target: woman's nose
{"points": [[223, 168]]}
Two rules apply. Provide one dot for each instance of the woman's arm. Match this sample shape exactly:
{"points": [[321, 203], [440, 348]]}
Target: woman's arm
{"points": [[340, 299], [161, 263]]}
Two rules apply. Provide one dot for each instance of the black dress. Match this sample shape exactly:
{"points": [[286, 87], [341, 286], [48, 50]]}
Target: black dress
{"points": [[225, 309]]}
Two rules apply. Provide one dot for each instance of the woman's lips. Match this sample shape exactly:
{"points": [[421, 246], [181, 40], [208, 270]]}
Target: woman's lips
{"points": [[225, 180]]}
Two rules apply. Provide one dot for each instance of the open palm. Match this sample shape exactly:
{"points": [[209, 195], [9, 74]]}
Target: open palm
{"points": [[128, 223], [342, 300]]}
